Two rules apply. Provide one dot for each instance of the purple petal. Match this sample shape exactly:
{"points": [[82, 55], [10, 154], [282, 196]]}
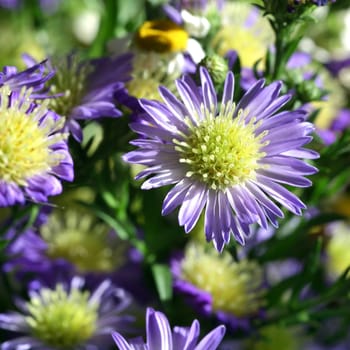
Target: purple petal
{"points": [[158, 331], [212, 340]]}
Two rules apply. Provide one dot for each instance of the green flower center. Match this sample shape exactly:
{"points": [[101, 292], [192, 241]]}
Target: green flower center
{"points": [[60, 319], [235, 287], [24, 144], [70, 81], [222, 151], [77, 237]]}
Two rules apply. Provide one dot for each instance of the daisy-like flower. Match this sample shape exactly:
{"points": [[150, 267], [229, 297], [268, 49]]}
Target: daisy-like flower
{"points": [[64, 241], [162, 51], [215, 284], [70, 235], [160, 336], [33, 149], [67, 318], [91, 94], [252, 38], [229, 160]]}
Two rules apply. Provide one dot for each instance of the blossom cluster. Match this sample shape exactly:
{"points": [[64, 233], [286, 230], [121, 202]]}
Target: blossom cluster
{"points": [[174, 175]]}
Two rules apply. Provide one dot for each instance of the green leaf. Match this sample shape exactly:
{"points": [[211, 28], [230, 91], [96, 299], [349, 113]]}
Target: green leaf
{"points": [[163, 280]]}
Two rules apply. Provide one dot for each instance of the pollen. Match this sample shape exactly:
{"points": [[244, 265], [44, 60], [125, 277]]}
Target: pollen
{"points": [[25, 140], [161, 36], [222, 151], [235, 287], [77, 236], [62, 319], [69, 84]]}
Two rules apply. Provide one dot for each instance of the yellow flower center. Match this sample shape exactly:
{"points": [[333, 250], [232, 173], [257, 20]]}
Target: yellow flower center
{"points": [[161, 36], [25, 141], [61, 319], [77, 237], [249, 47], [222, 151], [337, 250], [144, 88], [150, 70], [235, 287], [245, 31]]}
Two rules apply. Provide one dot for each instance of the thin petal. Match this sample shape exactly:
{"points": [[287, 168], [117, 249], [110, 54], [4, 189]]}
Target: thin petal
{"points": [[158, 331], [192, 206], [212, 340]]}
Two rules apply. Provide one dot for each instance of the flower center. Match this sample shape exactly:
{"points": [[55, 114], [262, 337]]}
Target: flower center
{"points": [[25, 140], [150, 70], [235, 287], [248, 45], [161, 36], [62, 319], [77, 237], [337, 250], [222, 151], [144, 88], [70, 81]]}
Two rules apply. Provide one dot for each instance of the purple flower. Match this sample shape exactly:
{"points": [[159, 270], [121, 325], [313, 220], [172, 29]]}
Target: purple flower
{"points": [[91, 94], [160, 336], [216, 285], [67, 317], [33, 148], [33, 78], [65, 243], [228, 160]]}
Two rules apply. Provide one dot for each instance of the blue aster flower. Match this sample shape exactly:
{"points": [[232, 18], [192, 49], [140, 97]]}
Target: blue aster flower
{"points": [[67, 317], [34, 153], [216, 285], [64, 242], [160, 336], [92, 92], [227, 160]]}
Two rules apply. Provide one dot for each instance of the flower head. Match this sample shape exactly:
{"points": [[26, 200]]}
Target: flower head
{"points": [[67, 239], [67, 318], [229, 160], [217, 285], [33, 150], [252, 37], [160, 336], [91, 94], [162, 52]]}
